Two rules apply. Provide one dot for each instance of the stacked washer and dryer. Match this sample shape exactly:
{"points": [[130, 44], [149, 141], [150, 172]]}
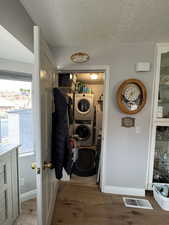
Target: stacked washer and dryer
{"points": [[84, 117]]}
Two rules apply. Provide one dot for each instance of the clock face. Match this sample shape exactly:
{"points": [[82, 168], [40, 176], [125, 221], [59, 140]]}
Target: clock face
{"points": [[131, 96], [132, 92]]}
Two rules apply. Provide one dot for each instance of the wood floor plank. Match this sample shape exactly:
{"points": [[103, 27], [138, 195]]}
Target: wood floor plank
{"points": [[28, 213], [84, 205], [78, 204]]}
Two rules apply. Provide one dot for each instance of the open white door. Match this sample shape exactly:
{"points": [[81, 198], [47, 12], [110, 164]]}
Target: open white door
{"points": [[42, 119]]}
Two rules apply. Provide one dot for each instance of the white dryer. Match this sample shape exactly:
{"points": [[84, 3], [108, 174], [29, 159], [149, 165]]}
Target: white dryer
{"points": [[84, 130], [84, 107]]}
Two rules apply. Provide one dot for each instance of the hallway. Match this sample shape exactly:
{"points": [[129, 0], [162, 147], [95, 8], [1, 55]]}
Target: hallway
{"points": [[84, 205]]}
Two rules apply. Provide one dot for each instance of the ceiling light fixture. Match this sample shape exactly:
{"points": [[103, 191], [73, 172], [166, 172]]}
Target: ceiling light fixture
{"points": [[80, 57], [94, 76]]}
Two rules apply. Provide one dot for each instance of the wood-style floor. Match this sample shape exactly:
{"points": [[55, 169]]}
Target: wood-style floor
{"points": [[78, 204], [28, 213], [87, 181]]}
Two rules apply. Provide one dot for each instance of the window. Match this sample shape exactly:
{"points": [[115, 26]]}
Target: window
{"points": [[16, 114]]}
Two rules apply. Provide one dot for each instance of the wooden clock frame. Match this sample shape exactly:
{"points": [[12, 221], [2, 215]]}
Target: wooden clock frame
{"points": [[120, 96]]}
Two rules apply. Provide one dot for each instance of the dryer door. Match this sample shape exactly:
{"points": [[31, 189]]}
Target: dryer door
{"points": [[83, 132], [83, 106]]}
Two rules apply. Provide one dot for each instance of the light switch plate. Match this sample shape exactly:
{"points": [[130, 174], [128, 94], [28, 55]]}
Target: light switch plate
{"points": [[143, 67]]}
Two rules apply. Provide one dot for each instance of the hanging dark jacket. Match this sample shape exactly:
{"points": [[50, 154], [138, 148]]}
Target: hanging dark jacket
{"points": [[61, 149]]}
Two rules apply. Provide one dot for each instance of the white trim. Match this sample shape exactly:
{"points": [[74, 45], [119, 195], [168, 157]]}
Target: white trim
{"points": [[124, 191], [83, 68], [162, 46], [149, 166], [105, 122], [28, 195], [36, 110], [22, 155]]}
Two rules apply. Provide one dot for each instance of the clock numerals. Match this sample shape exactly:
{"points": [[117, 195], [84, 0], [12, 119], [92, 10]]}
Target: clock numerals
{"points": [[132, 92]]}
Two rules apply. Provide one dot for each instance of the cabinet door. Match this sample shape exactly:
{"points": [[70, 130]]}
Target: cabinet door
{"points": [[5, 190], [15, 182], [158, 168], [163, 89], [161, 156]]}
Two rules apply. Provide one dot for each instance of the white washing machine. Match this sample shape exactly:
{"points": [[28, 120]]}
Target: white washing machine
{"points": [[84, 129], [84, 107]]}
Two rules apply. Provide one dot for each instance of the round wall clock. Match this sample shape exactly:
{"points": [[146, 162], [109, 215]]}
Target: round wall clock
{"points": [[131, 96]]}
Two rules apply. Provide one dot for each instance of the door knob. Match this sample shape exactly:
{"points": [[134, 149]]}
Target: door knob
{"points": [[48, 165], [34, 167]]}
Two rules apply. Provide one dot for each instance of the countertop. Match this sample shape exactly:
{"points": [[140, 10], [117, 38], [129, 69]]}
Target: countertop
{"points": [[4, 148]]}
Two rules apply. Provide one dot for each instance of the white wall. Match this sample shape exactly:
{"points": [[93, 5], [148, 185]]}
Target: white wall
{"points": [[126, 155], [15, 66], [97, 90], [15, 19], [127, 151], [26, 174]]}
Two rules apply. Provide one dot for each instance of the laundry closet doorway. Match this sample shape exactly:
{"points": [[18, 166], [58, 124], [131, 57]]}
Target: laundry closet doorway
{"points": [[89, 124]]}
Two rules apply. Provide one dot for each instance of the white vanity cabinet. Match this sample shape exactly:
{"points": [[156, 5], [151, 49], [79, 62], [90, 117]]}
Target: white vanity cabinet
{"points": [[9, 191]]}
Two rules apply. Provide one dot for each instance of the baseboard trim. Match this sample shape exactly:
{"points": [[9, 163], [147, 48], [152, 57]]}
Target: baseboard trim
{"points": [[124, 191], [28, 195]]}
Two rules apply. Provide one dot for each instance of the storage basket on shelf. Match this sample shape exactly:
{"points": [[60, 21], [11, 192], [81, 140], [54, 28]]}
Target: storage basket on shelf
{"points": [[161, 200]]}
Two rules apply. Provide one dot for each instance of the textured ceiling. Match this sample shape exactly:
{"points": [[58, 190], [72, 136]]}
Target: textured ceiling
{"points": [[80, 23], [12, 49]]}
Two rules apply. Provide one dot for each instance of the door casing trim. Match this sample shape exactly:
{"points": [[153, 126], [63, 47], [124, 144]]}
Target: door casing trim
{"points": [[106, 70]]}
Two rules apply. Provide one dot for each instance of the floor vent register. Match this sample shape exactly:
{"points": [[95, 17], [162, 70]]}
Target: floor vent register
{"points": [[137, 203]]}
